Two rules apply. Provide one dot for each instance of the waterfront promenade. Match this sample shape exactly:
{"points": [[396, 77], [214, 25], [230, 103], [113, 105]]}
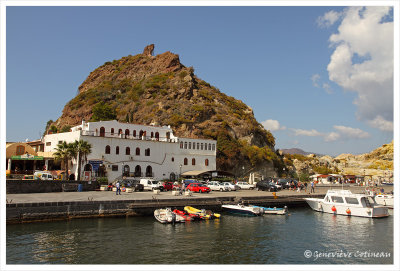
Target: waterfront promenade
{"points": [[35, 207], [149, 195]]}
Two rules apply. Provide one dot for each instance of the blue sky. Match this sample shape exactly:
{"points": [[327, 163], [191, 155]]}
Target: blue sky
{"points": [[307, 72]]}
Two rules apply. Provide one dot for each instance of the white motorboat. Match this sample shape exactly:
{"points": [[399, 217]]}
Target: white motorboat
{"points": [[344, 202], [167, 216], [385, 200], [242, 209], [274, 210]]}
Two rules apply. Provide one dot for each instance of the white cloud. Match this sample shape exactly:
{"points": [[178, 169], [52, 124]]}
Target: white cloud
{"points": [[315, 78], [332, 136], [340, 133], [362, 62], [328, 18], [327, 88], [349, 132], [302, 132], [272, 125], [380, 123]]}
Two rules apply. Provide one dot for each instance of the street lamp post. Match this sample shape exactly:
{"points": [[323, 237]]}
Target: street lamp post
{"points": [[180, 172], [122, 170]]}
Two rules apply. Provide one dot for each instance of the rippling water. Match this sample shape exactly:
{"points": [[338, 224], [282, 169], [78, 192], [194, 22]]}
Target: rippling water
{"points": [[230, 240]]}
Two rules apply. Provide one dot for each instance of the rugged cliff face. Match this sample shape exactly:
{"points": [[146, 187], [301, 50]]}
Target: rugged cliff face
{"points": [[378, 162], [147, 89]]}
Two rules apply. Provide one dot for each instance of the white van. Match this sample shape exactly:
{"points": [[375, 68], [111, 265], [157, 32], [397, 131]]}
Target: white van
{"points": [[150, 184], [43, 176]]}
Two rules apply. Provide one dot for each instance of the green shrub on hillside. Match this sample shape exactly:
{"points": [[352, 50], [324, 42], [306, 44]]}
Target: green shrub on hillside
{"points": [[102, 111]]}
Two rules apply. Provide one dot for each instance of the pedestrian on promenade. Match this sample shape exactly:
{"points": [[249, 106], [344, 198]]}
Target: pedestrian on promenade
{"points": [[305, 187], [299, 187], [118, 186], [312, 187]]}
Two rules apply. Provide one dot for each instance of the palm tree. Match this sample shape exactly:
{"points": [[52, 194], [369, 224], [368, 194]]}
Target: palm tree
{"points": [[65, 151], [82, 149]]}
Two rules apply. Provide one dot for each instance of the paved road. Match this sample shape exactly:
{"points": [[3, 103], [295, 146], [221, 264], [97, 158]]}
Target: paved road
{"points": [[109, 195]]}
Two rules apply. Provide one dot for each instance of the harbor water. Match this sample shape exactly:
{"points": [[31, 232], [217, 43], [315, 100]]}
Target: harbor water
{"points": [[303, 237]]}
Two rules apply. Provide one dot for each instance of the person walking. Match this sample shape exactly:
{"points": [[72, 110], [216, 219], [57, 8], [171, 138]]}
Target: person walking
{"points": [[312, 187], [118, 186], [305, 187]]}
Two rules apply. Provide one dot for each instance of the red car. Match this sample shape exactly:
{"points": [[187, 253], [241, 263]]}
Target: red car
{"points": [[198, 187], [168, 186]]}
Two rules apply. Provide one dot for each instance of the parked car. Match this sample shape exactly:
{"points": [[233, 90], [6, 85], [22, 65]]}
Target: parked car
{"points": [[217, 186], [230, 186], [198, 187], [245, 185], [168, 186], [266, 185], [134, 184], [150, 184]]}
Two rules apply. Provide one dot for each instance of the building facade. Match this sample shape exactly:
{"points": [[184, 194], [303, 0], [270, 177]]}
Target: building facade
{"points": [[136, 150]]}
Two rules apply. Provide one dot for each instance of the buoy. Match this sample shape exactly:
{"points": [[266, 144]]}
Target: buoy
{"points": [[348, 211], [123, 189], [333, 209]]}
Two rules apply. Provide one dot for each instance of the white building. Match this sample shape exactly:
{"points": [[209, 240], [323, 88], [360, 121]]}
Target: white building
{"points": [[136, 150]]}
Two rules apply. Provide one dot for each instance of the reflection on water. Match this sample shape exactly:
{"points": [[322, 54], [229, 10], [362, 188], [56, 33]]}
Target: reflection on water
{"points": [[230, 240]]}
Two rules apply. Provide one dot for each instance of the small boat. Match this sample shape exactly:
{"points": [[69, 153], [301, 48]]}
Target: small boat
{"points": [[185, 215], [344, 202], [242, 209], [167, 216], [203, 214], [385, 200], [274, 210]]}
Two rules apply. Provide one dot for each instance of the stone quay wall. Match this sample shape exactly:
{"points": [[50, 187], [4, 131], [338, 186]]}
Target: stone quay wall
{"points": [[36, 186]]}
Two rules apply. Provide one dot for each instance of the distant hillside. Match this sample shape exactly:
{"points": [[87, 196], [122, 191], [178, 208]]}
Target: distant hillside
{"points": [[297, 151], [159, 90]]}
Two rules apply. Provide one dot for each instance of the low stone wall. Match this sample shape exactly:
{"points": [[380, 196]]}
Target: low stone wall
{"points": [[34, 186], [48, 211]]}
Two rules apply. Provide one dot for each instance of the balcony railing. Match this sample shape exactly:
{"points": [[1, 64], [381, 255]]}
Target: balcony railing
{"points": [[126, 136]]}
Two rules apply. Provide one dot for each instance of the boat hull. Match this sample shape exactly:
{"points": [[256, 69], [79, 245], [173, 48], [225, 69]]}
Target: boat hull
{"points": [[334, 208], [243, 210]]}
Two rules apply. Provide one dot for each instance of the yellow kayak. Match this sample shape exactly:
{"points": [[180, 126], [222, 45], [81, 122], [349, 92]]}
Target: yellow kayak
{"points": [[204, 214]]}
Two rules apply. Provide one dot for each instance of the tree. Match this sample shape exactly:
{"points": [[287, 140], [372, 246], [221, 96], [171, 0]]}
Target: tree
{"points": [[102, 111], [81, 149], [65, 151]]}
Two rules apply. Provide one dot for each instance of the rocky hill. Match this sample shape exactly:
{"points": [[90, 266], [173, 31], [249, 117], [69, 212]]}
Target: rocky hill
{"points": [[377, 162], [160, 90]]}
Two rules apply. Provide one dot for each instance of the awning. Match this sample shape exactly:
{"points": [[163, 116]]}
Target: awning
{"points": [[194, 172], [26, 157]]}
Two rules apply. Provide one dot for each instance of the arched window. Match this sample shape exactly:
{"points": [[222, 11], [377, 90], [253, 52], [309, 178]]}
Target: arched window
{"points": [[120, 132], [112, 131], [181, 145], [172, 159], [198, 146], [137, 151], [152, 134], [117, 150], [126, 133], [193, 162], [209, 146], [185, 161], [138, 171], [128, 151], [147, 152], [206, 162], [149, 171], [108, 149], [141, 134], [213, 147], [157, 136], [201, 146], [185, 145], [190, 145], [194, 145], [205, 146], [134, 133]]}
